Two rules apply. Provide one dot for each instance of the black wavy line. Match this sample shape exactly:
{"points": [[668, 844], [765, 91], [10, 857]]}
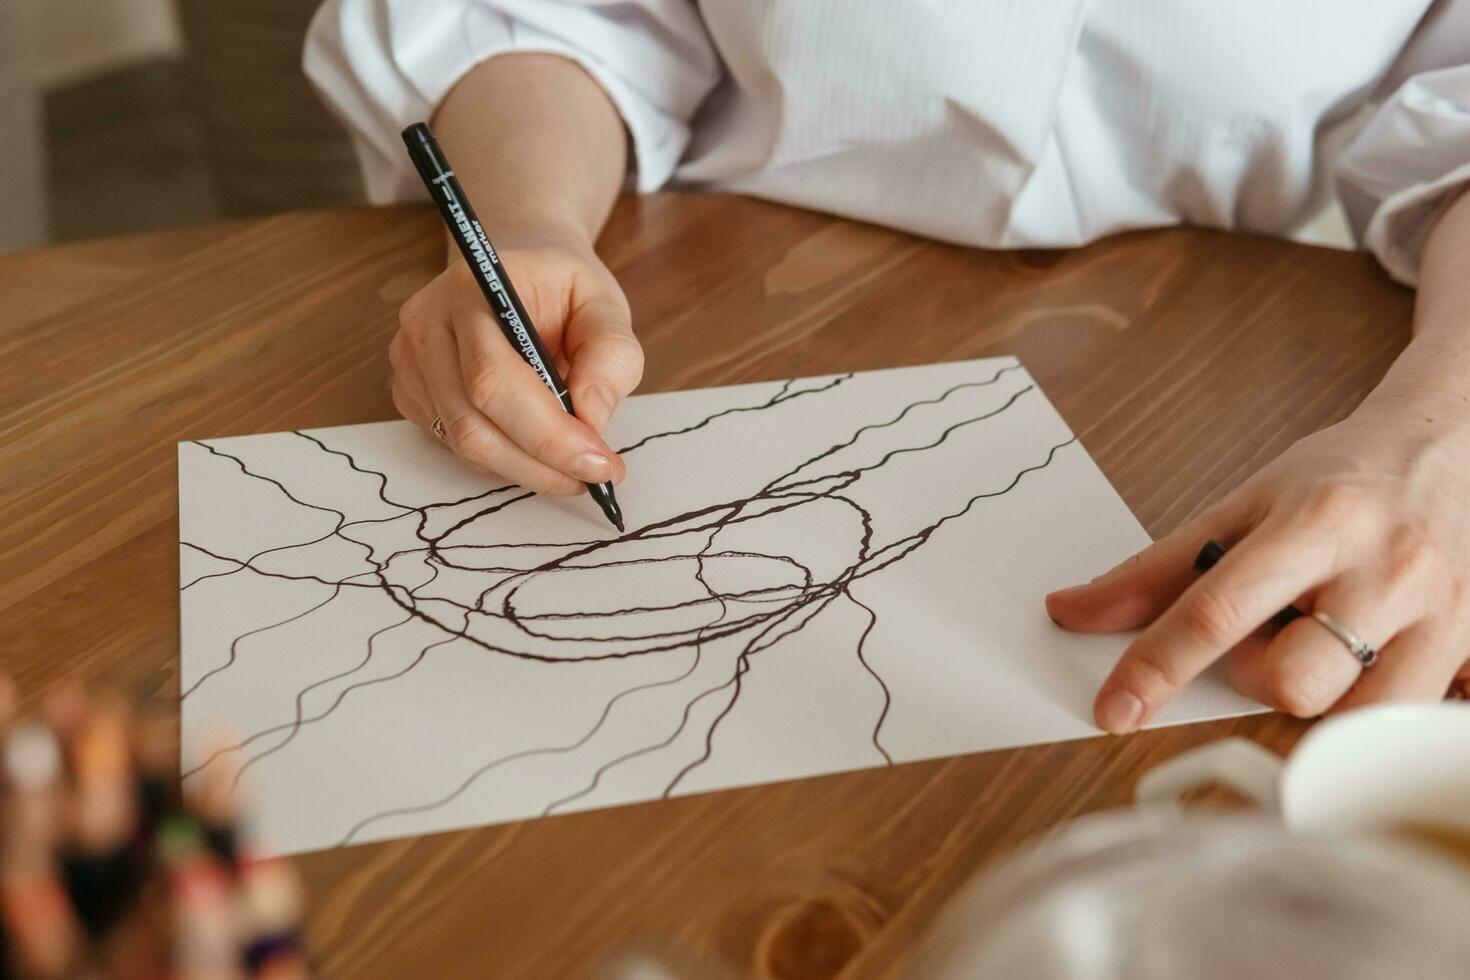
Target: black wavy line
{"points": [[793, 607]]}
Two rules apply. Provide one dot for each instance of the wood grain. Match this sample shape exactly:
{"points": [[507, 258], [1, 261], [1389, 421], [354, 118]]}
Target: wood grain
{"points": [[1183, 358]]}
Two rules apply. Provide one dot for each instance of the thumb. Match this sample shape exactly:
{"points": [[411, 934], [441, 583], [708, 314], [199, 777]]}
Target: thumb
{"points": [[606, 360]]}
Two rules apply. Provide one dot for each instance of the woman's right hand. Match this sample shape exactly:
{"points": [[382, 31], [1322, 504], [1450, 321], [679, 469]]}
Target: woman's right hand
{"points": [[450, 360]]}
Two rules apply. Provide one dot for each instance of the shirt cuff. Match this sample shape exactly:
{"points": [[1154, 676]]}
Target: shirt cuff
{"points": [[1401, 225], [658, 139], [1408, 163], [380, 79]]}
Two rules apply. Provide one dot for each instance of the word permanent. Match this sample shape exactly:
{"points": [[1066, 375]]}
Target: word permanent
{"points": [[482, 253]]}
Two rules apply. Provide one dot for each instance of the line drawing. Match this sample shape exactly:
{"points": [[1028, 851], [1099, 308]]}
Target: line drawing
{"points": [[632, 654]]}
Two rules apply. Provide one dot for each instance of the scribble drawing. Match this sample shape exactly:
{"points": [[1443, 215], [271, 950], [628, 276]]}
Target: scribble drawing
{"points": [[688, 603]]}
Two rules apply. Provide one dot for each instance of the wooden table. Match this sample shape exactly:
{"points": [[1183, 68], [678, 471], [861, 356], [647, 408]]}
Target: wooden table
{"points": [[1184, 359]]}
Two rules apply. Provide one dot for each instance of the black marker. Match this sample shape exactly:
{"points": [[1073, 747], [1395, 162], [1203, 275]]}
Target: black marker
{"points": [[1212, 552], [478, 253]]}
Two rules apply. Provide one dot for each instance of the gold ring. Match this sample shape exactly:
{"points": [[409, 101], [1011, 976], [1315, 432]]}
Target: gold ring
{"points": [[438, 428]]}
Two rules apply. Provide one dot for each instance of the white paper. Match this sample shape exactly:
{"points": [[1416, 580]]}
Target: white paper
{"points": [[401, 646]]}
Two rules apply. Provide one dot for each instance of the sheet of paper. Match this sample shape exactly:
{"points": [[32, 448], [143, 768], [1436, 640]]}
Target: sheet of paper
{"points": [[818, 575]]}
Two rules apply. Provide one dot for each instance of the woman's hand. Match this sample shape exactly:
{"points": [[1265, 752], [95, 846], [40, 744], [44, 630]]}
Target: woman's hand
{"points": [[1368, 521], [450, 360]]}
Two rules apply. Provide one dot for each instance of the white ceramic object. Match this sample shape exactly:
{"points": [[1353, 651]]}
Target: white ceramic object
{"points": [[1363, 770]]}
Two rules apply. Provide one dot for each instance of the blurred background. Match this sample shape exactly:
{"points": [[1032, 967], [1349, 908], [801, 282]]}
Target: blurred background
{"points": [[120, 116]]}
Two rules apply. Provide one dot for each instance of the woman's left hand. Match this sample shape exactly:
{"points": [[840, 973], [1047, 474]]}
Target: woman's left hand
{"points": [[1367, 521]]}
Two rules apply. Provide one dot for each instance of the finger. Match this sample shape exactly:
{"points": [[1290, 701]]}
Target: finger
{"points": [[406, 382], [412, 400], [1417, 665], [1136, 591], [1248, 669], [1254, 580], [1306, 668], [1310, 668], [510, 393], [474, 437], [606, 359]]}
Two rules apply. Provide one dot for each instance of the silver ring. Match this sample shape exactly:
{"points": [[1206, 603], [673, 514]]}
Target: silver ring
{"points": [[1367, 656], [438, 427]]}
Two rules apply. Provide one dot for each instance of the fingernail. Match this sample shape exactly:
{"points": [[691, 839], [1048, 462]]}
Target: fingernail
{"points": [[592, 468], [1119, 712], [1061, 596]]}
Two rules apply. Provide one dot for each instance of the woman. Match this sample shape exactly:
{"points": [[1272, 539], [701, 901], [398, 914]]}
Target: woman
{"points": [[999, 124]]}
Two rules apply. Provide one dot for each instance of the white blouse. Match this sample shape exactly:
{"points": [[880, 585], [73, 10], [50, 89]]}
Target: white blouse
{"points": [[997, 123]]}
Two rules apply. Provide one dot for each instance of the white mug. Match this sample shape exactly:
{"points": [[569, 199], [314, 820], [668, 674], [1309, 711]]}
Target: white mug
{"points": [[1368, 769]]}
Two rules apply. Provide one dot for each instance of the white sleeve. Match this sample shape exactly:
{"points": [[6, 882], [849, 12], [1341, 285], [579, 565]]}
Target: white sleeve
{"points": [[383, 64], [1406, 165]]}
